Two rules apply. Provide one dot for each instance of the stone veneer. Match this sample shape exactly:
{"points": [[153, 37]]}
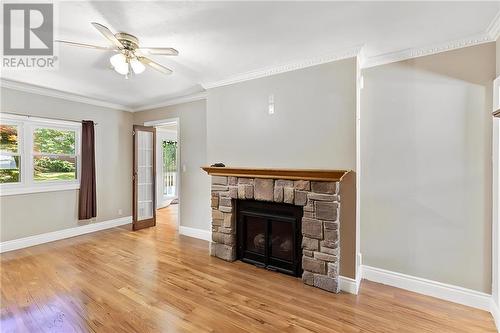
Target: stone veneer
{"points": [[320, 223]]}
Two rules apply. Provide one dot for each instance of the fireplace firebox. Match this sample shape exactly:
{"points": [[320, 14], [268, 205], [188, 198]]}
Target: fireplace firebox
{"points": [[269, 235]]}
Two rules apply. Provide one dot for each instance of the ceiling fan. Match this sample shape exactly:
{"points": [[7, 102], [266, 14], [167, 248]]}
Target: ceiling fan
{"points": [[130, 57]]}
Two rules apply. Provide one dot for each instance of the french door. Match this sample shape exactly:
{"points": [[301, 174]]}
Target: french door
{"points": [[144, 177]]}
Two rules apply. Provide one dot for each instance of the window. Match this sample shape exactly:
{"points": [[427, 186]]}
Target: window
{"points": [[9, 153], [38, 155], [54, 155]]}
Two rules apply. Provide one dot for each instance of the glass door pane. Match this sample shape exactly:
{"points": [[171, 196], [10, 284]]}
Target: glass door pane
{"points": [[281, 235], [145, 175], [255, 231]]}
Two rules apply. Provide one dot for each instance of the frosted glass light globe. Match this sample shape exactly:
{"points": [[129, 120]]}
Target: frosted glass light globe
{"points": [[137, 66], [119, 63]]}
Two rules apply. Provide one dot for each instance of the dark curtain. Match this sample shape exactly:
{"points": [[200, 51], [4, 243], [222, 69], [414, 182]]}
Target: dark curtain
{"points": [[87, 205]]}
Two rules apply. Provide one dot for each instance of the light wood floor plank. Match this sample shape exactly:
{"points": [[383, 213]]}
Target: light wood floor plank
{"points": [[155, 280]]}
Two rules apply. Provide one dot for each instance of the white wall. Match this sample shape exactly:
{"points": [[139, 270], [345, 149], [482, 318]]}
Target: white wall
{"points": [[33, 214], [313, 126], [426, 167], [195, 184]]}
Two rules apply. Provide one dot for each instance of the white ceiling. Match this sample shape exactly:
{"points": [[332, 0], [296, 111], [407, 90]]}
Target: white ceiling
{"points": [[221, 40]]}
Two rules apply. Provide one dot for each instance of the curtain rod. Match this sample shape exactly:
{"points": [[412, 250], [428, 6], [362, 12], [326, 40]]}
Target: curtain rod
{"points": [[27, 116]]}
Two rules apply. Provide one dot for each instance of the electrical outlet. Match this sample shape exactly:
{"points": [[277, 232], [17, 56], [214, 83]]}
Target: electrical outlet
{"points": [[120, 211]]}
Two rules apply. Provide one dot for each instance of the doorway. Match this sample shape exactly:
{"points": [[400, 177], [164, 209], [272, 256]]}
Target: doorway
{"points": [[168, 180], [167, 157]]}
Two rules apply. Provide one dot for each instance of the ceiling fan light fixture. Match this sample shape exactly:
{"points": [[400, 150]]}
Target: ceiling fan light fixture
{"points": [[130, 58], [119, 63], [137, 66]]}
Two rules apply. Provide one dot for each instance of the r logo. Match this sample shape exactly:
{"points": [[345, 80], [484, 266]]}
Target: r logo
{"points": [[28, 29]]}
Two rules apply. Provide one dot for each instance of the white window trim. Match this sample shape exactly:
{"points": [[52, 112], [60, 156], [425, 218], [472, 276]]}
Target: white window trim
{"points": [[26, 126]]}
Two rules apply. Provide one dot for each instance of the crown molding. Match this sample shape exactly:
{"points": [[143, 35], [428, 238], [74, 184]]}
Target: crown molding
{"points": [[493, 30], [173, 101], [490, 35], [283, 68], [35, 89], [406, 54]]}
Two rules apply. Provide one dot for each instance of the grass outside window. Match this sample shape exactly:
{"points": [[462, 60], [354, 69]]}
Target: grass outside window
{"points": [[54, 155]]}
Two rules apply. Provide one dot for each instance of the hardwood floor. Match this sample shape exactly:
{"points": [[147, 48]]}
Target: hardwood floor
{"points": [[154, 280]]}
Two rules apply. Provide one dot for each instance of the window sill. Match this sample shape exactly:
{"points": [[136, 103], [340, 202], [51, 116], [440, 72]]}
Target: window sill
{"points": [[15, 190]]}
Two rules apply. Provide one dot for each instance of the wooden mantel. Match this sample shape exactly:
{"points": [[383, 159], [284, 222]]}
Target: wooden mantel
{"points": [[291, 174]]}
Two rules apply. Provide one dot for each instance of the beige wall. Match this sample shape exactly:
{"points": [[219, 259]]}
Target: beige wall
{"points": [[32, 214], [426, 167], [195, 184], [314, 126], [496, 214], [497, 43], [496, 198]]}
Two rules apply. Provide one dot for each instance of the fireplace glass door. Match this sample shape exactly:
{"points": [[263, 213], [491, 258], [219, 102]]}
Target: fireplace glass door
{"points": [[281, 238], [255, 234], [269, 235]]}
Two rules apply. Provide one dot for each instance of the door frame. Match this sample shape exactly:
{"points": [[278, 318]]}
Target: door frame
{"points": [[164, 121], [137, 225]]}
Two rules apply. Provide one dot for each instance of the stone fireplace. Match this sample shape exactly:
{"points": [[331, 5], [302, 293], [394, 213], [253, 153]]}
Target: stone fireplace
{"points": [[316, 192]]}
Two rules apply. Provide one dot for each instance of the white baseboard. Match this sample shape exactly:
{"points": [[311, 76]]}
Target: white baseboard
{"points": [[436, 289], [20, 243], [495, 312], [349, 285], [196, 233]]}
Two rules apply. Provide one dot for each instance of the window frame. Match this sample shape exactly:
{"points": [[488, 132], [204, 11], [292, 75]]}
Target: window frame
{"points": [[26, 128]]}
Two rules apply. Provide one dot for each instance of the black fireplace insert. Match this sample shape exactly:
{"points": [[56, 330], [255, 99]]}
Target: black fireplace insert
{"points": [[269, 235]]}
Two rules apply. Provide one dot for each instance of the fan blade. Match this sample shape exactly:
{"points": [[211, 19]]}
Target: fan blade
{"points": [[155, 65], [89, 46], [108, 34], [159, 50]]}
